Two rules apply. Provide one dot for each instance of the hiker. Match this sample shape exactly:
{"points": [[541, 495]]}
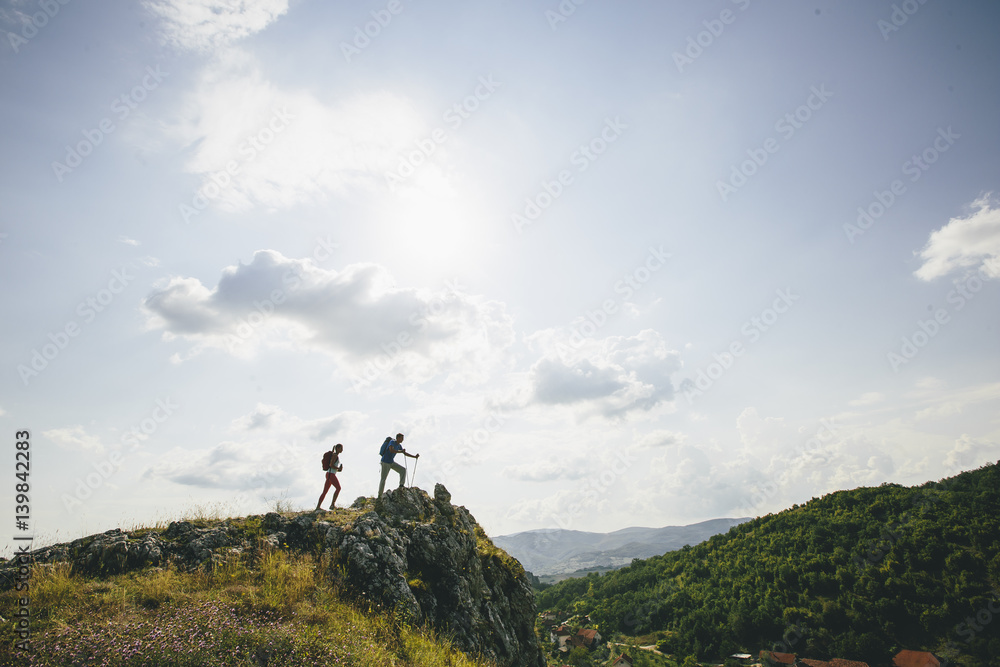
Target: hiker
{"points": [[332, 468], [389, 450]]}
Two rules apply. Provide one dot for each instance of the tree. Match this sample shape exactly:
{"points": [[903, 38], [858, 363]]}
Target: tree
{"points": [[579, 657]]}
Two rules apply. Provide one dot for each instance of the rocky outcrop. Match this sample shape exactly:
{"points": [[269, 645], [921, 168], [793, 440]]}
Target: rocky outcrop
{"points": [[406, 553]]}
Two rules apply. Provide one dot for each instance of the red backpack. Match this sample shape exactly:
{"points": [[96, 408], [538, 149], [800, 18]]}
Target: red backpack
{"points": [[327, 458]]}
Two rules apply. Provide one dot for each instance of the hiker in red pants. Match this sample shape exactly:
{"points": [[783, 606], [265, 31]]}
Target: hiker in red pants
{"points": [[332, 469]]}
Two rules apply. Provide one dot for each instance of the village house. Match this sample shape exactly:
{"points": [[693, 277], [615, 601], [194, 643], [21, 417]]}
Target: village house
{"points": [[585, 637], [559, 636], [622, 661], [776, 659], [838, 662], [908, 658]]}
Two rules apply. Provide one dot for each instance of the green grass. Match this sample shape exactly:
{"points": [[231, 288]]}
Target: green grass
{"points": [[278, 609]]}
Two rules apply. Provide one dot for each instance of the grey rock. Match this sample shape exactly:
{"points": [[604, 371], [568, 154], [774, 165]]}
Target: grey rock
{"points": [[420, 558]]}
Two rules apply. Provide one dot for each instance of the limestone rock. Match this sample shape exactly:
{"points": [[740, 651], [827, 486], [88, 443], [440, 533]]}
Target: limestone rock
{"points": [[406, 553]]}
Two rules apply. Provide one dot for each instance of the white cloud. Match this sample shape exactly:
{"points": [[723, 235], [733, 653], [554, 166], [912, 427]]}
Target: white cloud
{"points": [[572, 466], [965, 242], [262, 454], [612, 377], [968, 453], [127, 241], [868, 398], [75, 437], [273, 419], [357, 315], [255, 145], [659, 438], [206, 25], [946, 409]]}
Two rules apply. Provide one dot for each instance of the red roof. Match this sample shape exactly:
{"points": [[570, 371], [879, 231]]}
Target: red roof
{"points": [[782, 658], [908, 658], [589, 634], [838, 662], [814, 663]]}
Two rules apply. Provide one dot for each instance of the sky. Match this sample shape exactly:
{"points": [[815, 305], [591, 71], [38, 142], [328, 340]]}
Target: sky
{"points": [[604, 264]]}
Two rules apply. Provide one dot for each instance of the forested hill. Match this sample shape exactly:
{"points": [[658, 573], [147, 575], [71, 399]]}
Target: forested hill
{"points": [[855, 574]]}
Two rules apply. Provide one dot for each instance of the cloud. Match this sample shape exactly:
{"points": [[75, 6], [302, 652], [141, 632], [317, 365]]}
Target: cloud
{"points": [[968, 453], [868, 398], [261, 417], [572, 466], [964, 242], [612, 377], [75, 437], [260, 454], [273, 419], [127, 241], [943, 410], [556, 383], [14, 17], [206, 25], [356, 315], [659, 438], [234, 466], [254, 144]]}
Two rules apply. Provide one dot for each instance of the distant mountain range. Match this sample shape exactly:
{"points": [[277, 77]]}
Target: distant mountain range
{"points": [[555, 551]]}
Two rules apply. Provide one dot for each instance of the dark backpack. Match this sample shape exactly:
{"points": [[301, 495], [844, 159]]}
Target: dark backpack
{"points": [[385, 446], [327, 458]]}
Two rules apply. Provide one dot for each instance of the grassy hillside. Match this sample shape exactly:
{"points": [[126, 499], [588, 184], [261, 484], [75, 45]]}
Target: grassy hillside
{"points": [[855, 574], [276, 607]]}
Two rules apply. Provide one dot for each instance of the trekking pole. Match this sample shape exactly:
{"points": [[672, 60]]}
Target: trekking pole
{"points": [[414, 470]]}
